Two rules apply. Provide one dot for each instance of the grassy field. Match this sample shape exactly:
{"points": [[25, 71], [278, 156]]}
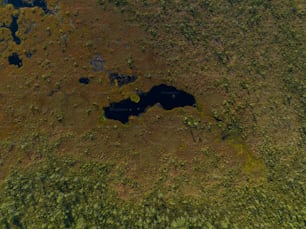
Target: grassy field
{"points": [[237, 160]]}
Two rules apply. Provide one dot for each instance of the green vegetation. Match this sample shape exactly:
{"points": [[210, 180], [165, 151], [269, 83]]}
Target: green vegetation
{"points": [[241, 161], [251, 44], [70, 194]]}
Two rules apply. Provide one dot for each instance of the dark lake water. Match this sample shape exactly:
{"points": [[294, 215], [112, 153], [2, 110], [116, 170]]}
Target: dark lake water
{"points": [[22, 4], [13, 27], [98, 65], [167, 96], [14, 59], [121, 79], [84, 80]]}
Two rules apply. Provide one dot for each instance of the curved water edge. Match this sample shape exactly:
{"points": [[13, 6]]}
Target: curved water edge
{"points": [[14, 59], [13, 27], [167, 96], [23, 4]]}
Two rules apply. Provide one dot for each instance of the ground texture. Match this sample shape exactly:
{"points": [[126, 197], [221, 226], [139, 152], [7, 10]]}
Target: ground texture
{"points": [[236, 160]]}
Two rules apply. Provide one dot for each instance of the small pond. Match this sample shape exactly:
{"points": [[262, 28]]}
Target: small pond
{"points": [[167, 96], [14, 59], [27, 4]]}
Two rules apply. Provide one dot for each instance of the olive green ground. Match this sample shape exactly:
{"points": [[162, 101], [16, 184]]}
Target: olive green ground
{"points": [[237, 161]]}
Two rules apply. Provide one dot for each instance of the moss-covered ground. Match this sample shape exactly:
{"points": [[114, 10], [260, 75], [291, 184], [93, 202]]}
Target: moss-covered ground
{"points": [[237, 160]]}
